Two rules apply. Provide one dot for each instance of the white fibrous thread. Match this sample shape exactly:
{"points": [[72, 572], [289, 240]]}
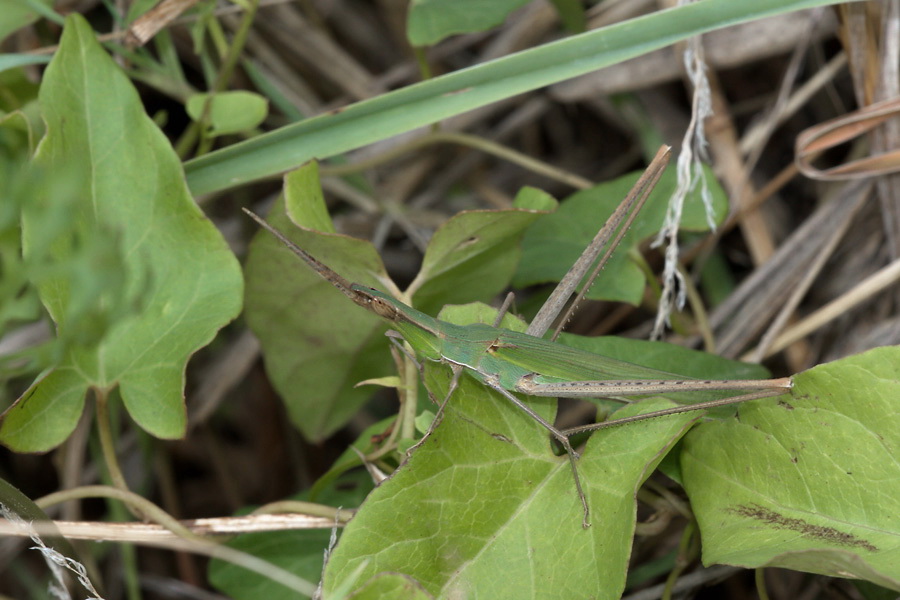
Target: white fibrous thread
{"points": [[332, 542], [689, 169], [56, 562]]}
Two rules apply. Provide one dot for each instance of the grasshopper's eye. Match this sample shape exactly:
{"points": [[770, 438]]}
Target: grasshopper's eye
{"points": [[383, 309]]}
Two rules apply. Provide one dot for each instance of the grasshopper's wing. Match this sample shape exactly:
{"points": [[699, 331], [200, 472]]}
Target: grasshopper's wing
{"points": [[553, 359], [551, 363]]}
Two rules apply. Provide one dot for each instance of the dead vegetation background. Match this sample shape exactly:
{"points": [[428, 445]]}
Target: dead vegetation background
{"points": [[794, 243]]}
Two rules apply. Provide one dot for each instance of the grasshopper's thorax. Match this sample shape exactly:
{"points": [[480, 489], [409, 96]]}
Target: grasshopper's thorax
{"points": [[468, 345]]}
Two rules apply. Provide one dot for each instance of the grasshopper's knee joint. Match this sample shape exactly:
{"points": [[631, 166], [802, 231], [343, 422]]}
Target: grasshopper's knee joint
{"points": [[570, 450]]}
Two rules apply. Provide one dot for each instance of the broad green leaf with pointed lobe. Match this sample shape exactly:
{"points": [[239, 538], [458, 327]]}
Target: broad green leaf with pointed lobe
{"points": [[811, 482], [489, 511], [474, 255], [184, 280], [317, 345]]}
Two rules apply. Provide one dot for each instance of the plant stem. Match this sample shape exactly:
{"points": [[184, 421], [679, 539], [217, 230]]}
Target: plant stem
{"points": [[198, 127], [134, 501], [306, 508], [107, 443], [759, 578], [199, 543], [701, 317], [686, 551], [411, 401]]}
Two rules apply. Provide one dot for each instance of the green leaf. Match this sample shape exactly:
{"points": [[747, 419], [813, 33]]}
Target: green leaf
{"points": [[424, 421], [554, 243], [181, 279], [229, 112], [304, 199], [473, 256], [477, 312], [20, 504], [571, 12], [485, 508], [535, 199], [430, 21], [431, 101], [15, 14], [316, 344], [390, 586], [810, 482], [350, 458], [391, 381], [20, 94]]}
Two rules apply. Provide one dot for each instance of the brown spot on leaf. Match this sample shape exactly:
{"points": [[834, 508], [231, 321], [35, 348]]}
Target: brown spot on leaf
{"points": [[818, 532]]}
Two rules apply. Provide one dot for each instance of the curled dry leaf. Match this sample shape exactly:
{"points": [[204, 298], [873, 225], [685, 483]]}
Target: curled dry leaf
{"points": [[812, 142]]}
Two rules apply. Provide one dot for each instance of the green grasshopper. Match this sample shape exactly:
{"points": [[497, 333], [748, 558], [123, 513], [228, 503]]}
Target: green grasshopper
{"points": [[509, 361]]}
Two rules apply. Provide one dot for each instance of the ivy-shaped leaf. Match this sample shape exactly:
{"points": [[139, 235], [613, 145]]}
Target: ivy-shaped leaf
{"points": [[317, 345], [182, 280], [485, 508], [810, 482]]}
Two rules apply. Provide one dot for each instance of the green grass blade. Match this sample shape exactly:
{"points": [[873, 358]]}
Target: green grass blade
{"points": [[388, 115], [14, 61]]}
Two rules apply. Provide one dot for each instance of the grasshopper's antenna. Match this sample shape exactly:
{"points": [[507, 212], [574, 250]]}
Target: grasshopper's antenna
{"points": [[320, 268]]}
